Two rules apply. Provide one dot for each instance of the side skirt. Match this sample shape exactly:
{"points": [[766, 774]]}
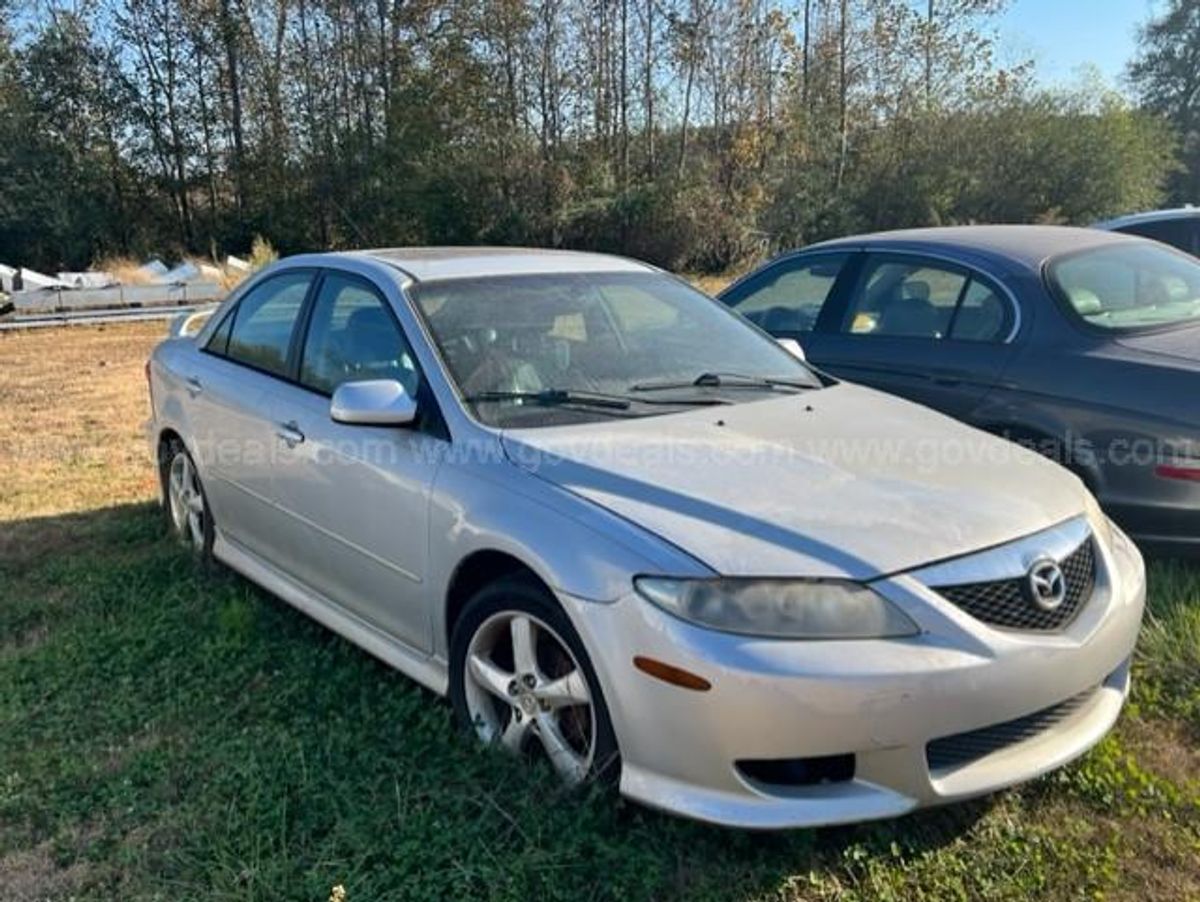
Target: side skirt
{"points": [[425, 669]]}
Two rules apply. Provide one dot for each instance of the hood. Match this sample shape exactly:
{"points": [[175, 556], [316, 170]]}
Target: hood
{"points": [[1181, 344], [840, 482]]}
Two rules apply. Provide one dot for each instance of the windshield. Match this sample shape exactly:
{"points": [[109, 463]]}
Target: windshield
{"points": [[512, 343], [1130, 286]]}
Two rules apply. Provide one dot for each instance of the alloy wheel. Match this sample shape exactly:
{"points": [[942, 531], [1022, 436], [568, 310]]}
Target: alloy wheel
{"points": [[526, 691], [186, 501]]}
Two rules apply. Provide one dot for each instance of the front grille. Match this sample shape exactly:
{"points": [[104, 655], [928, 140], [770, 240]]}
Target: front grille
{"points": [[963, 748], [1003, 602]]}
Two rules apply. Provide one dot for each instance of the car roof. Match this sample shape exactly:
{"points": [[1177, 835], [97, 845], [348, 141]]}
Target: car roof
{"points": [[1007, 246], [1188, 212], [427, 264]]}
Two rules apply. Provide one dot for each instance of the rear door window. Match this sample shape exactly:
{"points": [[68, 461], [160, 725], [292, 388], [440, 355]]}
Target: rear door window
{"points": [[218, 343], [260, 334], [983, 314], [904, 298], [911, 297]]}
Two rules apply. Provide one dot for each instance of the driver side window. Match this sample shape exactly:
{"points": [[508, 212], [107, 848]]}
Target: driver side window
{"points": [[353, 336], [792, 294]]}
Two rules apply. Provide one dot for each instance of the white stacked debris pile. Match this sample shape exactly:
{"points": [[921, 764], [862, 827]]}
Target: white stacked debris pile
{"points": [[159, 285], [32, 280], [209, 273], [88, 279], [153, 270], [6, 277]]}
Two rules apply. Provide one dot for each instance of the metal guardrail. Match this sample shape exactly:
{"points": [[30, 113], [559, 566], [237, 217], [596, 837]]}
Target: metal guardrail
{"points": [[57, 300], [97, 317]]}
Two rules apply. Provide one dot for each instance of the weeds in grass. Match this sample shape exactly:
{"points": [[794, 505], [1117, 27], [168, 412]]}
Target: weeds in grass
{"points": [[1113, 779], [1169, 647]]}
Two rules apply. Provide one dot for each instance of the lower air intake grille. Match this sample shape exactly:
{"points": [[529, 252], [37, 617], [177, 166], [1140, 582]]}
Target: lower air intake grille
{"points": [[1003, 602], [963, 748]]}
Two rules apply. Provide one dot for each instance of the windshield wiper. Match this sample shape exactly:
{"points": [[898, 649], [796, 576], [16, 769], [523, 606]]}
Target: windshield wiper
{"points": [[558, 397], [554, 397], [724, 380]]}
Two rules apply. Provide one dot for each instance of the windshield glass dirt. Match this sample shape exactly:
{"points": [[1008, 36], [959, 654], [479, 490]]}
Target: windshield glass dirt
{"points": [[559, 336]]}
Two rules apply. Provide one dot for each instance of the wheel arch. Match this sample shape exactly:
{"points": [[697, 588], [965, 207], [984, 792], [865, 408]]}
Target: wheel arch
{"points": [[480, 568], [166, 435], [1041, 438]]}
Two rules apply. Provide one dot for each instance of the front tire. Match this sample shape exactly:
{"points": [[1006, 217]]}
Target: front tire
{"points": [[520, 678]]}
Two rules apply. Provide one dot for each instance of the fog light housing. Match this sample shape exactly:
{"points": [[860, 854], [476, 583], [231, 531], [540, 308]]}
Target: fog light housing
{"points": [[798, 771]]}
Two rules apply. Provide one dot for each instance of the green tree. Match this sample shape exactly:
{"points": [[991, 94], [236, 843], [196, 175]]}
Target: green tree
{"points": [[65, 189], [694, 133], [1166, 75]]}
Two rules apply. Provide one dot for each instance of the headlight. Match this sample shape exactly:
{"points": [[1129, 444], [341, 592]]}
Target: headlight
{"points": [[779, 608]]}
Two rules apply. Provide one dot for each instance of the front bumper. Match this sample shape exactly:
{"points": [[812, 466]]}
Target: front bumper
{"points": [[882, 701]]}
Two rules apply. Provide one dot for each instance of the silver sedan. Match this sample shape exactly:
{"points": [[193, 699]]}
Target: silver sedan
{"points": [[630, 534]]}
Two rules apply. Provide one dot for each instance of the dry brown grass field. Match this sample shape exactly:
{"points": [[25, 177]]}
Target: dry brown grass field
{"points": [[167, 733], [74, 403], [72, 406]]}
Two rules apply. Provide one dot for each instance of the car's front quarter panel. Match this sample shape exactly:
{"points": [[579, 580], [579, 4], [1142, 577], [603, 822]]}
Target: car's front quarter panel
{"points": [[482, 502]]}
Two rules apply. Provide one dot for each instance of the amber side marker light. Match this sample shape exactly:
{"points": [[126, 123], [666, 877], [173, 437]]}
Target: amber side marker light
{"points": [[676, 676], [1191, 474]]}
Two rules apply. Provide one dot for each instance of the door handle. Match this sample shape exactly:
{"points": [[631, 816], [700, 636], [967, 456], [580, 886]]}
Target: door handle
{"points": [[289, 433], [193, 386]]}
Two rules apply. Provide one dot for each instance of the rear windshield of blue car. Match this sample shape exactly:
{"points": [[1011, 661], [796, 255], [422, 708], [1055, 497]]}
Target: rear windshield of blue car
{"points": [[1131, 286]]}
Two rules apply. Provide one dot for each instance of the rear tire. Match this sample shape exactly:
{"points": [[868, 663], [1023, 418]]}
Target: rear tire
{"points": [[188, 514], [521, 678]]}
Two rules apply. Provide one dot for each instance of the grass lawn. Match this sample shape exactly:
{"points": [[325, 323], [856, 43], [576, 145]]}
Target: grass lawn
{"points": [[171, 734]]}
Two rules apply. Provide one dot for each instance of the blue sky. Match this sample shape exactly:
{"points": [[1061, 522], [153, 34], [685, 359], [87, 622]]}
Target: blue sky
{"points": [[1063, 35]]}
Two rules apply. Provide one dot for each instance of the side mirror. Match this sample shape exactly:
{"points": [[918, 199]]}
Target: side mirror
{"points": [[372, 402], [792, 347]]}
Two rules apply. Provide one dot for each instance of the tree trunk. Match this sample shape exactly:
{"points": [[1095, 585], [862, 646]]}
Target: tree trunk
{"points": [[804, 55], [624, 100], [229, 37], [929, 55], [843, 100], [687, 108], [648, 88]]}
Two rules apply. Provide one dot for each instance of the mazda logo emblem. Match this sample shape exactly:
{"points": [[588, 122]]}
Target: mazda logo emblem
{"points": [[1045, 584]]}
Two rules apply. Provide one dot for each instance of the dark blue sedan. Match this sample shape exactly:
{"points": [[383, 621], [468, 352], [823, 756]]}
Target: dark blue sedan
{"points": [[1081, 343]]}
